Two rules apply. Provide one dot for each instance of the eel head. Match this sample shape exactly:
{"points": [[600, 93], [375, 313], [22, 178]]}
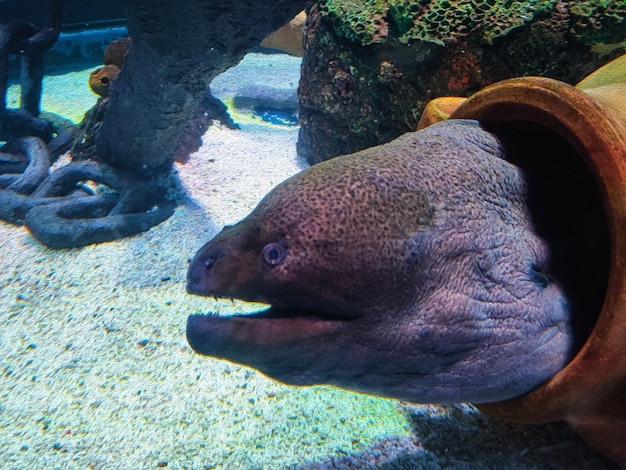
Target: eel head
{"points": [[408, 270]]}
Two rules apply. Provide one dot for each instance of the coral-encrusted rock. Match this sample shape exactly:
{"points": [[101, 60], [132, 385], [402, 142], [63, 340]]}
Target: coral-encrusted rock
{"points": [[370, 67]]}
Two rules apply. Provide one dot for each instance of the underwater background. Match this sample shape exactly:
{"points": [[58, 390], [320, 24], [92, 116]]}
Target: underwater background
{"points": [[96, 371]]}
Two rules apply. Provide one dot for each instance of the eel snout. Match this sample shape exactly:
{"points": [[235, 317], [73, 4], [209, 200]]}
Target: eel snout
{"points": [[199, 273], [212, 273]]}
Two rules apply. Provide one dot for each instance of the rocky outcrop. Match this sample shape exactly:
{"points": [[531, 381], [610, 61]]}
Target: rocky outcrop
{"points": [[369, 69]]}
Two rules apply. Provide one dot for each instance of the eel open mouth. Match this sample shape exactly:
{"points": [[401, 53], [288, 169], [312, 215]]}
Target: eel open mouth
{"points": [[300, 347], [278, 328]]}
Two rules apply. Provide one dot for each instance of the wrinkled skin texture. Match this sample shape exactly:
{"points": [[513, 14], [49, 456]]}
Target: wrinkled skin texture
{"points": [[409, 270]]}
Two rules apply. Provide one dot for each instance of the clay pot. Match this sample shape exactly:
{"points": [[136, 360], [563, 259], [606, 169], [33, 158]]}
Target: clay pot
{"points": [[101, 78], [288, 38], [115, 53], [590, 392]]}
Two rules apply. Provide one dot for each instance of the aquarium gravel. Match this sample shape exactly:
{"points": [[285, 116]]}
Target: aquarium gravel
{"points": [[96, 373]]}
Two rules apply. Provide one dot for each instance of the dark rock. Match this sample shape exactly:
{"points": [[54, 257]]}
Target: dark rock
{"points": [[177, 49]]}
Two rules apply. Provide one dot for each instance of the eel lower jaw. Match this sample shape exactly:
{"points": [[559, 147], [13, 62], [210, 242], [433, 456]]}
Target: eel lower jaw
{"points": [[275, 330]]}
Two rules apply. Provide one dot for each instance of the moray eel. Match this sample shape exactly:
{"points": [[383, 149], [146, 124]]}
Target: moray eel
{"points": [[408, 270]]}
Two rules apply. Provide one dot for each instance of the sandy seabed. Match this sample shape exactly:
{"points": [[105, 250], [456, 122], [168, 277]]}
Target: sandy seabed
{"points": [[96, 373]]}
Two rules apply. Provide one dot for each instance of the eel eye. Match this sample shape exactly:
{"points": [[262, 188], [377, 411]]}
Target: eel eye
{"points": [[273, 253]]}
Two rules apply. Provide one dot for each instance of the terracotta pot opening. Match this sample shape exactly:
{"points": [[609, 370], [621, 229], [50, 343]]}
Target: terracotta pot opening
{"points": [[567, 208]]}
